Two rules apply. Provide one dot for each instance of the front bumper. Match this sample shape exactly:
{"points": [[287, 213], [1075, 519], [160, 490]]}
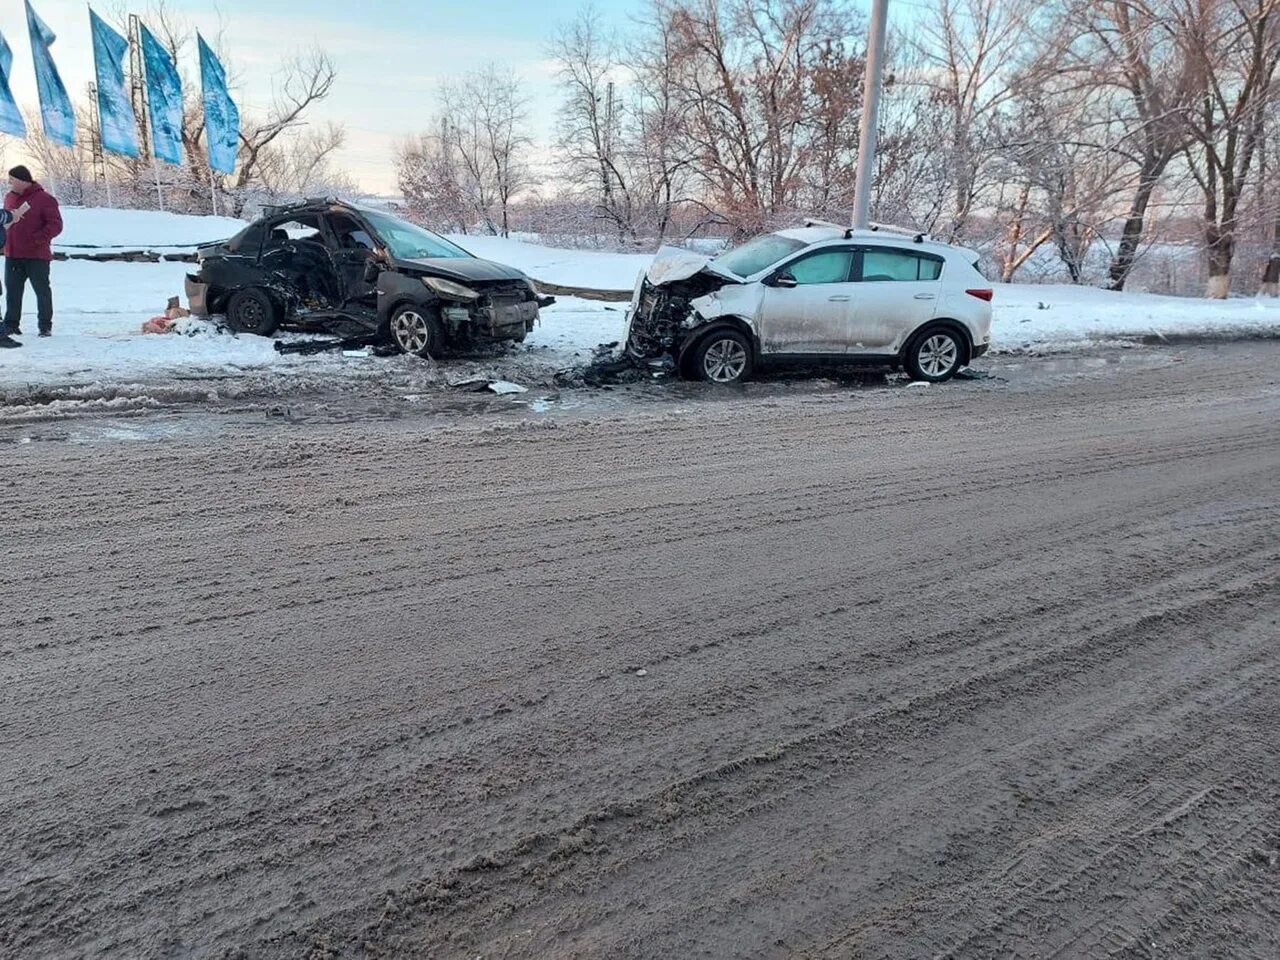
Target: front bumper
{"points": [[979, 349], [506, 320]]}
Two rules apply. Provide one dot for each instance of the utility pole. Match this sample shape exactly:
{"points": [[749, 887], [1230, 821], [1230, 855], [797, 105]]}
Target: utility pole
{"points": [[95, 141], [606, 147], [871, 86]]}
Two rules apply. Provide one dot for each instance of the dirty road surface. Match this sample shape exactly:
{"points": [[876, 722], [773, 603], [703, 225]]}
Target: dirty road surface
{"points": [[975, 671]]}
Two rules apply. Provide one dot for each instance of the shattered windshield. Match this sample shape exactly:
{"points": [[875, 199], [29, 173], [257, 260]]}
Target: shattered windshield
{"points": [[407, 242], [758, 254]]}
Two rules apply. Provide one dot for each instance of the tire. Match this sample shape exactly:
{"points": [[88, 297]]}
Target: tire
{"points": [[253, 311], [412, 329], [722, 357], [935, 354]]}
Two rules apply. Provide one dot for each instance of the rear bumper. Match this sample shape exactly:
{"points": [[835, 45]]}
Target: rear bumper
{"points": [[197, 296]]}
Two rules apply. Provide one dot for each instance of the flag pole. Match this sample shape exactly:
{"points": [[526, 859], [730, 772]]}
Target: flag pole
{"points": [[155, 167], [213, 190]]}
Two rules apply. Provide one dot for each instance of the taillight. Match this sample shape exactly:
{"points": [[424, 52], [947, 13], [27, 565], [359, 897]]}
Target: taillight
{"points": [[981, 294]]}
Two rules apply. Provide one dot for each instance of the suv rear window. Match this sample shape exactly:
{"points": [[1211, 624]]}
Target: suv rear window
{"points": [[900, 265]]}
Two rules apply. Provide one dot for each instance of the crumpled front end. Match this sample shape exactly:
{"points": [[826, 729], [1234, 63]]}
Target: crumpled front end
{"points": [[664, 311]]}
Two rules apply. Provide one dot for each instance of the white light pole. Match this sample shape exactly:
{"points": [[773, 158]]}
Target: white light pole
{"points": [[871, 86]]}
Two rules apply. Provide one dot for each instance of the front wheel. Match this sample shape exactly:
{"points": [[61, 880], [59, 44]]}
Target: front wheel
{"points": [[935, 355], [413, 330], [723, 357]]}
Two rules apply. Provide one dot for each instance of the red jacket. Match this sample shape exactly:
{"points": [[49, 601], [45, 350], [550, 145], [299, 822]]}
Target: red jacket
{"points": [[29, 238]]}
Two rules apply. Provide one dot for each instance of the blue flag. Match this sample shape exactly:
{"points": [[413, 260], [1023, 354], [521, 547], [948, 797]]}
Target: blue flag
{"points": [[115, 111], [164, 100], [55, 106], [221, 118], [11, 121]]}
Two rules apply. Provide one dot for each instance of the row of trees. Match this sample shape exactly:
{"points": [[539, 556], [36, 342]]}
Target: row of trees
{"points": [[1084, 129]]}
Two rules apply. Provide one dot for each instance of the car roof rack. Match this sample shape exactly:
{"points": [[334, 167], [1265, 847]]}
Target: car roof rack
{"points": [[815, 222], [849, 232], [916, 236]]}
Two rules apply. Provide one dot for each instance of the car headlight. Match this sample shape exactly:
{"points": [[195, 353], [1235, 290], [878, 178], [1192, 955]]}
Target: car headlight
{"points": [[451, 290]]}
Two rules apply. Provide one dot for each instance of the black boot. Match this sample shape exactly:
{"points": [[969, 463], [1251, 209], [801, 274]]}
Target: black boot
{"points": [[8, 343]]}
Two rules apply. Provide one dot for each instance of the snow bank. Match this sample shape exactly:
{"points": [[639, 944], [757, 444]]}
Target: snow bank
{"points": [[592, 269], [1035, 315], [89, 229]]}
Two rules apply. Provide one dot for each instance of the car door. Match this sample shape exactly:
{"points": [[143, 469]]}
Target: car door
{"points": [[896, 290], [352, 247], [806, 304], [295, 254]]}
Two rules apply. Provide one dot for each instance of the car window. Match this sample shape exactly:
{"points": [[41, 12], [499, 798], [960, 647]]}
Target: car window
{"points": [[828, 266], [758, 254], [879, 265], [299, 228], [249, 240], [350, 235], [408, 242]]}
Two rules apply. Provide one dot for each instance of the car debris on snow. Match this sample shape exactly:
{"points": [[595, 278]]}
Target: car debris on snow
{"points": [[480, 384]]}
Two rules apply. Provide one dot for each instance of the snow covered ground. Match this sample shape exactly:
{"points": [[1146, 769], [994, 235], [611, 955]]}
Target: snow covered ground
{"points": [[100, 309]]}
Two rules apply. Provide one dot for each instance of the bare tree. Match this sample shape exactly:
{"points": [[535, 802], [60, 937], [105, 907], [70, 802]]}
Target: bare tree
{"points": [[969, 52], [485, 117], [1118, 47], [752, 87], [591, 139], [301, 83], [431, 182], [1234, 49]]}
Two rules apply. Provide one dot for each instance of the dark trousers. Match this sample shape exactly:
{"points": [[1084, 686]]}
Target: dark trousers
{"points": [[17, 272]]}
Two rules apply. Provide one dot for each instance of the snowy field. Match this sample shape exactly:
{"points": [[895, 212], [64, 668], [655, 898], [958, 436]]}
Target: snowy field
{"points": [[100, 309]]}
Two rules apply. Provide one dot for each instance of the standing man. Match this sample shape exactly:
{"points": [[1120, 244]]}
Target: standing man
{"points": [[27, 250]]}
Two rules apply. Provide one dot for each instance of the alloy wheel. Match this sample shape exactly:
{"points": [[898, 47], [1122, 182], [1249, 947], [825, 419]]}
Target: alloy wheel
{"points": [[724, 361], [412, 332], [938, 355]]}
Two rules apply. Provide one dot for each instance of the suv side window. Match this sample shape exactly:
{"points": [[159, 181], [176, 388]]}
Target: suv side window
{"points": [[881, 264], [824, 266]]}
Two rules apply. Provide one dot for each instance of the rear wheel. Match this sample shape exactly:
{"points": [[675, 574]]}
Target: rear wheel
{"points": [[723, 357], [413, 330], [935, 354], [253, 311]]}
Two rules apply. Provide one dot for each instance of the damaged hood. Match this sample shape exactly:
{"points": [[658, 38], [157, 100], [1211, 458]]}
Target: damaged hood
{"points": [[464, 269], [682, 266]]}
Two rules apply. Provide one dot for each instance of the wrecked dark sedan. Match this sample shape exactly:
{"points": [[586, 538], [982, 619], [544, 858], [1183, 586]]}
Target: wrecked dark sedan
{"points": [[331, 267]]}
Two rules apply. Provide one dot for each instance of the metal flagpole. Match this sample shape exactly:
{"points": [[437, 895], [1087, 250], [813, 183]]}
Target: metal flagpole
{"points": [[213, 190], [871, 87]]}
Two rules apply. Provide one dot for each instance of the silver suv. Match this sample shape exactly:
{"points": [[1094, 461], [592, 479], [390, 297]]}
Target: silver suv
{"points": [[819, 292]]}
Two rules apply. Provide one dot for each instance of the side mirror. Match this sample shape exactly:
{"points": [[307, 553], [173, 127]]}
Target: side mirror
{"points": [[372, 269], [784, 280]]}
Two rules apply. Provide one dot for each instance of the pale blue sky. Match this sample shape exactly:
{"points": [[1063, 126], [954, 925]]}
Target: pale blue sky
{"points": [[391, 54]]}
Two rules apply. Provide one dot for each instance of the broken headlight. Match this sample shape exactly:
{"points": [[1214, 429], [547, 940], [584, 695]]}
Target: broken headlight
{"points": [[450, 290]]}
